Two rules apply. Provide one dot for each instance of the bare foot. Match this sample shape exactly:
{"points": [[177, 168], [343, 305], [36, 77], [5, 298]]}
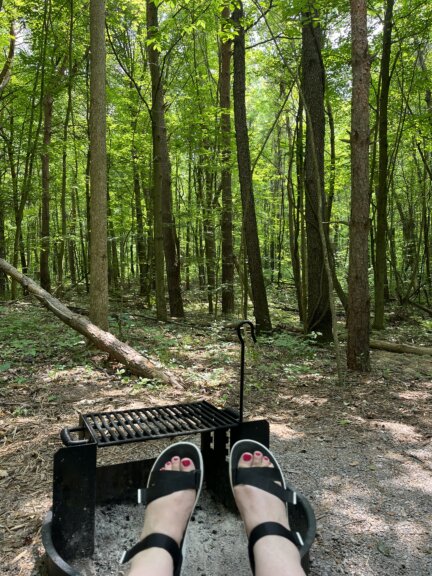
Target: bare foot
{"points": [[167, 515], [274, 555]]}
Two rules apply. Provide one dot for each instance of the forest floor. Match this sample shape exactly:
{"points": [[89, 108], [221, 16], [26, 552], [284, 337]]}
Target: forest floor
{"points": [[361, 452]]}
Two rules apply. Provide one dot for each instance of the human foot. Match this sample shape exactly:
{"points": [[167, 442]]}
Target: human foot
{"points": [[256, 505], [172, 492], [259, 491]]}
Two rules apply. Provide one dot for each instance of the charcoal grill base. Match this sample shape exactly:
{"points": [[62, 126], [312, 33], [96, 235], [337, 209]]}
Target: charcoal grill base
{"points": [[79, 485]]}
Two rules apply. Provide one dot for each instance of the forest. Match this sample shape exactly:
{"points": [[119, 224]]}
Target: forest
{"points": [[224, 131], [169, 167]]}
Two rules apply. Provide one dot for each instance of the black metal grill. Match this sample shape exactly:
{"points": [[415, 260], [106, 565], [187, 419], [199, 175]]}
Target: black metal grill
{"points": [[109, 428]]}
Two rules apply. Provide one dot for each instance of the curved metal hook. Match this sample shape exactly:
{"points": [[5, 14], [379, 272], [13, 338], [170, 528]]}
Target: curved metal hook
{"points": [[242, 359], [240, 334]]}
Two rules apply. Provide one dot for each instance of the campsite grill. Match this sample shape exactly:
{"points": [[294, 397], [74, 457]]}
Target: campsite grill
{"points": [[79, 484], [110, 428]]}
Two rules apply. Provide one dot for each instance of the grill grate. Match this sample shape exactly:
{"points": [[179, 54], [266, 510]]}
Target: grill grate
{"points": [[108, 428]]}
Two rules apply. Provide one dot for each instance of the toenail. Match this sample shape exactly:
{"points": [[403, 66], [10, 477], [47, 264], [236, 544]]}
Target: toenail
{"points": [[247, 457], [175, 458], [186, 462], [258, 454], [265, 458]]}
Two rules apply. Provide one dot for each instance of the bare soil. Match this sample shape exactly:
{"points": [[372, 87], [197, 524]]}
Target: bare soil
{"points": [[361, 451]]}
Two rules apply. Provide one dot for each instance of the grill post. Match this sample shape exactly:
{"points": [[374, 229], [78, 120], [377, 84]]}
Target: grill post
{"points": [[215, 448], [74, 495]]}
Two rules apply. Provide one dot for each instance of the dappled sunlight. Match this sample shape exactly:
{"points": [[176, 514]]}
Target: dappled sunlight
{"points": [[415, 395], [285, 429], [308, 399], [399, 431]]}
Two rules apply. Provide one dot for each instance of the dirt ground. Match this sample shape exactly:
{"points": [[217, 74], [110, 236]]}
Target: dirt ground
{"points": [[361, 452]]}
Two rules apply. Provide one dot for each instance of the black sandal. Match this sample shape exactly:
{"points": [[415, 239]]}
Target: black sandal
{"points": [[265, 479], [162, 483]]}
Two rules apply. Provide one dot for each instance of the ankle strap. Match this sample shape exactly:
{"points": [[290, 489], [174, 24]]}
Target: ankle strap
{"points": [[155, 540], [271, 529]]}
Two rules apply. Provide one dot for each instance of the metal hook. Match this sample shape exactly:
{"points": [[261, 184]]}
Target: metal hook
{"points": [[239, 331], [242, 360]]}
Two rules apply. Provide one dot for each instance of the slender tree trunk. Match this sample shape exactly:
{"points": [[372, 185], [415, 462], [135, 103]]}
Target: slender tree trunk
{"points": [[358, 286], [298, 244], [162, 177], [140, 241], [115, 267], [45, 277], [318, 305], [61, 244], [226, 216], [261, 309], [98, 168], [382, 189], [149, 269], [2, 243], [205, 197]]}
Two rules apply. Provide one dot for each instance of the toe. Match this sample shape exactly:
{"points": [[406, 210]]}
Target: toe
{"points": [[186, 465], [266, 462], [245, 460], [175, 463], [257, 458]]}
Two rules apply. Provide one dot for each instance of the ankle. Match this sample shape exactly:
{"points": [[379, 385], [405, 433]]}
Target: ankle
{"points": [[152, 562]]}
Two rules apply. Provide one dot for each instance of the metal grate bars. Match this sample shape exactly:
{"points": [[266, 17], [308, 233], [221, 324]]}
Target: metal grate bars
{"points": [[108, 428]]}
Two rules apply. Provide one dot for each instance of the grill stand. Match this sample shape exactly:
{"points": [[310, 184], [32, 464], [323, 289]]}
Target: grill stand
{"points": [[79, 484]]}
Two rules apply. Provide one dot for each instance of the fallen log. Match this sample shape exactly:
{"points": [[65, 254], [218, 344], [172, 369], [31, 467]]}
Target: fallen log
{"points": [[420, 307], [400, 348], [135, 362]]}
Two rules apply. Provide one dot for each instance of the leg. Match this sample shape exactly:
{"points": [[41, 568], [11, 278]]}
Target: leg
{"points": [[273, 555], [167, 515]]}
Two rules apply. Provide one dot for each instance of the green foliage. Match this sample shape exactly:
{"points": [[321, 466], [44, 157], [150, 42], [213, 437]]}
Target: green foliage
{"points": [[188, 39]]}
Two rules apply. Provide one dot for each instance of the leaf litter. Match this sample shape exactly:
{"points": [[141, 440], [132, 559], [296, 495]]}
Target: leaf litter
{"points": [[361, 453]]}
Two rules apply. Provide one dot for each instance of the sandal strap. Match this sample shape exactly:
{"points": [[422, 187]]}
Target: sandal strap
{"points": [[265, 479], [270, 529], [163, 483], [155, 540]]}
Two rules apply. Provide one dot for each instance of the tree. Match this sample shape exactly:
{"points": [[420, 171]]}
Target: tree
{"points": [[98, 168], [318, 306], [250, 228], [226, 216], [162, 194], [382, 189], [358, 286]]}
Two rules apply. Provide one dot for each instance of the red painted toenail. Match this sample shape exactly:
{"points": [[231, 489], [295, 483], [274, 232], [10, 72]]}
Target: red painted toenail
{"points": [[258, 454], [247, 457], [175, 458], [186, 462]]}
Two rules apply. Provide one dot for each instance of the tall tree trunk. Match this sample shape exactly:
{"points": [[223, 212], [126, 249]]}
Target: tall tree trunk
{"points": [[45, 278], [318, 305], [296, 220], [226, 216], [358, 286], [2, 243], [98, 168], [382, 189], [261, 309], [162, 173], [140, 241], [61, 245]]}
